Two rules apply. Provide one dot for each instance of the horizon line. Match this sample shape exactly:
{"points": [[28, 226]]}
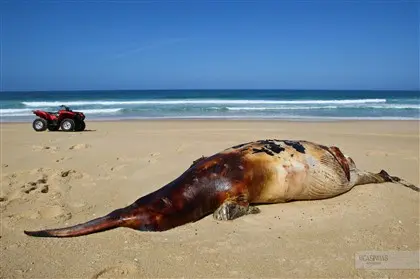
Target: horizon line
{"points": [[203, 89]]}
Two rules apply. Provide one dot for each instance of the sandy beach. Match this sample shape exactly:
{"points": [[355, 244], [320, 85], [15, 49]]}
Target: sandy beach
{"points": [[56, 179]]}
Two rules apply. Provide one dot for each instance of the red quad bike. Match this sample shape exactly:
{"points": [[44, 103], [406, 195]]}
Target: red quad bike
{"points": [[65, 118]]}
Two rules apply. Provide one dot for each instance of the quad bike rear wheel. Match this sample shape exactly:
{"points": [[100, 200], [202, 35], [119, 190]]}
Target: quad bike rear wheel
{"points": [[40, 124], [80, 125], [67, 125]]}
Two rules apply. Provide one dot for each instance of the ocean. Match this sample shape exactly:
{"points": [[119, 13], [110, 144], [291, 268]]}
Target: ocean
{"points": [[217, 104]]}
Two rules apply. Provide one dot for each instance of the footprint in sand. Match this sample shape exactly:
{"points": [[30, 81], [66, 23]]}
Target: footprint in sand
{"points": [[33, 200], [62, 159], [120, 271], [36, 194], [25, 192], [40, 184], [117, 168], [45, 148], [3, 200], [80, 146], [39, 170], [66, 175], [15, 192]]}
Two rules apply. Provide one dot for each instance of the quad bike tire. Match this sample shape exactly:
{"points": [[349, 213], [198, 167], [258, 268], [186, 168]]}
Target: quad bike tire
{"points": [[67, 125], [40, 124], [80, 126]]}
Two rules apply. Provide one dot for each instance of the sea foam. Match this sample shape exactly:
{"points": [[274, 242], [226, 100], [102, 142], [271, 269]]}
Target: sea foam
{"points": [[196, 101]]}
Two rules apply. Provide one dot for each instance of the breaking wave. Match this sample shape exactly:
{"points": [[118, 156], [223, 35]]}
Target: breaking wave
{"points": [[197, 102]]}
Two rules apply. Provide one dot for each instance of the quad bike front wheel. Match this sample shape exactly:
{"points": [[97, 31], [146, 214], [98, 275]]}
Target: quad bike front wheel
{"points": [[40, 124], [80, 125], [67, 125]]}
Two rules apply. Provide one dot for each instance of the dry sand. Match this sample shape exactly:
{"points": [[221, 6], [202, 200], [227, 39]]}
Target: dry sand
{"points": [[54, 179]]}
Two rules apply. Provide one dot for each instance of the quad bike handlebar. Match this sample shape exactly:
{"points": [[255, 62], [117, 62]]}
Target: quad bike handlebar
{"points": [[65, 108]]}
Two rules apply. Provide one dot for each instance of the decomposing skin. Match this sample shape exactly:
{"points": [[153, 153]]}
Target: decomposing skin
{"points": [[225, 184]]}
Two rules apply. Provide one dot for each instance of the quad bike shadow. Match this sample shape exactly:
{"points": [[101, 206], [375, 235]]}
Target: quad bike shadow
{"points": [[65, 118]]}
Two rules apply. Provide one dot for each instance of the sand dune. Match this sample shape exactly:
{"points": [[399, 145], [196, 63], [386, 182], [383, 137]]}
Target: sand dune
{"points": [[55, 179]]}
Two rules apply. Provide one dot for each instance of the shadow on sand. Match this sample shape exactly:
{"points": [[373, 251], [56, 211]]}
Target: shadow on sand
{"points": [[61, 131]]}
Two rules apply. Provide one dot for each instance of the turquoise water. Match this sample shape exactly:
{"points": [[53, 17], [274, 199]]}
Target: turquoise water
{"points": [[223, 104]]}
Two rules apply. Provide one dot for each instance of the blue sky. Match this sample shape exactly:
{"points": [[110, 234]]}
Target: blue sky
{"points": [[71, 45]]}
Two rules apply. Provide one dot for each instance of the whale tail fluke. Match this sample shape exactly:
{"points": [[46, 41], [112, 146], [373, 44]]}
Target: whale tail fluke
{"points": [[362, 177], [96, 225], [395, 179]]}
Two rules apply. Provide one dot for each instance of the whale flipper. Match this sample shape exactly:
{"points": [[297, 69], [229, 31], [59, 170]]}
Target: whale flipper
{"points": [[231, 210]]}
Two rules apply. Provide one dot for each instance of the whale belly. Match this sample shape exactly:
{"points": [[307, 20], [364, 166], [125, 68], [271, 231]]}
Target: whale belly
{"points": [[282, 181], [304, 177]]}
